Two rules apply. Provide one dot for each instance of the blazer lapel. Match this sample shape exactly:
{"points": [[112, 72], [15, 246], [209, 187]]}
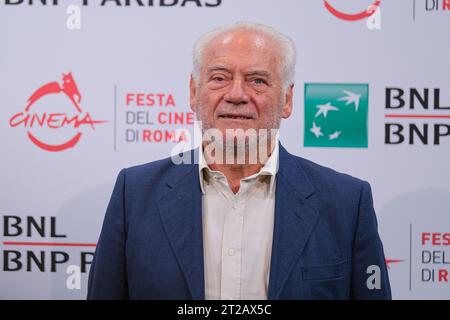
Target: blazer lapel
{"points": [[181, 215], [295, 218]]}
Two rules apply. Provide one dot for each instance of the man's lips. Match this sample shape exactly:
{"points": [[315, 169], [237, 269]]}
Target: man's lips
{"points": [[236, 116]]}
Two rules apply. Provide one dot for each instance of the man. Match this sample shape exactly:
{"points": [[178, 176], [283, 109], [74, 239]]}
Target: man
{"points": [[278, 227]]}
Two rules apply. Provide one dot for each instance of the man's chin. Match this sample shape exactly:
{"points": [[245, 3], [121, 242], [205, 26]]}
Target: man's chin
{"points": [[235, 128]]}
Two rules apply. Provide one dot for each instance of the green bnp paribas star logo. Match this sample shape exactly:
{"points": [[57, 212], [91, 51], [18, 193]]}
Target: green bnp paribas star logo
{"points": [[336, 115]]}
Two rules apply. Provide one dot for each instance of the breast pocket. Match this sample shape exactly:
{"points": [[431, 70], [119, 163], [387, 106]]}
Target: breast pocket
{"points": [[325, 271]]}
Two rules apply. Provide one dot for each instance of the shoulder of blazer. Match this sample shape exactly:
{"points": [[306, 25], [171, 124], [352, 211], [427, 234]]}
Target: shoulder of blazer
{"points": [[320, 177], [158, 173]]}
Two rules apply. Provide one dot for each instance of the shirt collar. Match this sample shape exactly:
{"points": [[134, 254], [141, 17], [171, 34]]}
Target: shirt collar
{"points": [[270, 168]]}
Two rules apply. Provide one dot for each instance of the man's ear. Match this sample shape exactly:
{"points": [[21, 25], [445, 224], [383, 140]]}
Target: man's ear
{"points": [[287, 108], [192, 90]]}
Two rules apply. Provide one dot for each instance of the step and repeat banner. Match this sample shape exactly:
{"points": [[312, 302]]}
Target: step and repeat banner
{"points": [[88, 87]]}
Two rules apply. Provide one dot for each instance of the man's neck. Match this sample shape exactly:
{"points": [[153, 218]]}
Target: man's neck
{"points": [[235, 172]]}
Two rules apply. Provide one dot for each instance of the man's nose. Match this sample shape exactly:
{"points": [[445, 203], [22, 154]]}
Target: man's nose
{"points": [[237, 94]]}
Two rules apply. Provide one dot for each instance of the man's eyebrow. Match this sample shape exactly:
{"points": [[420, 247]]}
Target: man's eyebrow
{"points": [[217, 68], [262, 73]]}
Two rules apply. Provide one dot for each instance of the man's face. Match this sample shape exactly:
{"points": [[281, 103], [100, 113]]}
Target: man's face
{"points": [[240, 85]]}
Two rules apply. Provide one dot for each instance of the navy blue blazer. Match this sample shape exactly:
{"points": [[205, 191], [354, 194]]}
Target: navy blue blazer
{"points": [[325, 236]]}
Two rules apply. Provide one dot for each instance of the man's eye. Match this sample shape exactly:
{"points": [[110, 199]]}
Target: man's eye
{"points": [[259, 81], [217, 78]]}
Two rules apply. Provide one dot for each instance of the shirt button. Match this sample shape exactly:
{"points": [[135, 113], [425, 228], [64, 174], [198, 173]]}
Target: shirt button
{"points": [[230, 252]]}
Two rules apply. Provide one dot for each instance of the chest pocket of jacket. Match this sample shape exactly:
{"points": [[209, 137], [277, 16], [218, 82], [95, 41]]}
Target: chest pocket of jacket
{"points": [[324, 272]]}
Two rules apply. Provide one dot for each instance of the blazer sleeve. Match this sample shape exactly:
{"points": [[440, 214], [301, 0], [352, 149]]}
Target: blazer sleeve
{"points": [[108, 276], [370, 279]]}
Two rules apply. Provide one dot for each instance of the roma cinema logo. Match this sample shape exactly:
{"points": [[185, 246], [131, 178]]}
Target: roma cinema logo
{"points": [[68, 124]]}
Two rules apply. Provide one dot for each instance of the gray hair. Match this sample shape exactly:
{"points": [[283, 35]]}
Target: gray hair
{"points": [[287, 46]]}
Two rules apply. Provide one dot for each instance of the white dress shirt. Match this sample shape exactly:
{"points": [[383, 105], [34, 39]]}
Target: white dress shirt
{"points": [[238, 231]]}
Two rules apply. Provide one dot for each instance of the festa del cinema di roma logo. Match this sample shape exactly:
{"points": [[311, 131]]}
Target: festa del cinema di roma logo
{"points": [[33, 119]]}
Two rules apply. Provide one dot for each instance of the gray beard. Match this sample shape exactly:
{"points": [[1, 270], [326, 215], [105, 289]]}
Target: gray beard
{"points": [[246, 145], [241, 147]]}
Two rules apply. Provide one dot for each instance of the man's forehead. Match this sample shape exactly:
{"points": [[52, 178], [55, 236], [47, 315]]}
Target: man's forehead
{"points": [[253, 49], [242, 38]]}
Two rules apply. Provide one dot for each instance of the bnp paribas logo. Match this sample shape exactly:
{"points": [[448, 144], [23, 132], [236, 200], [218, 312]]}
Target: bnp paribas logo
{"points": [[336, 115]]}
